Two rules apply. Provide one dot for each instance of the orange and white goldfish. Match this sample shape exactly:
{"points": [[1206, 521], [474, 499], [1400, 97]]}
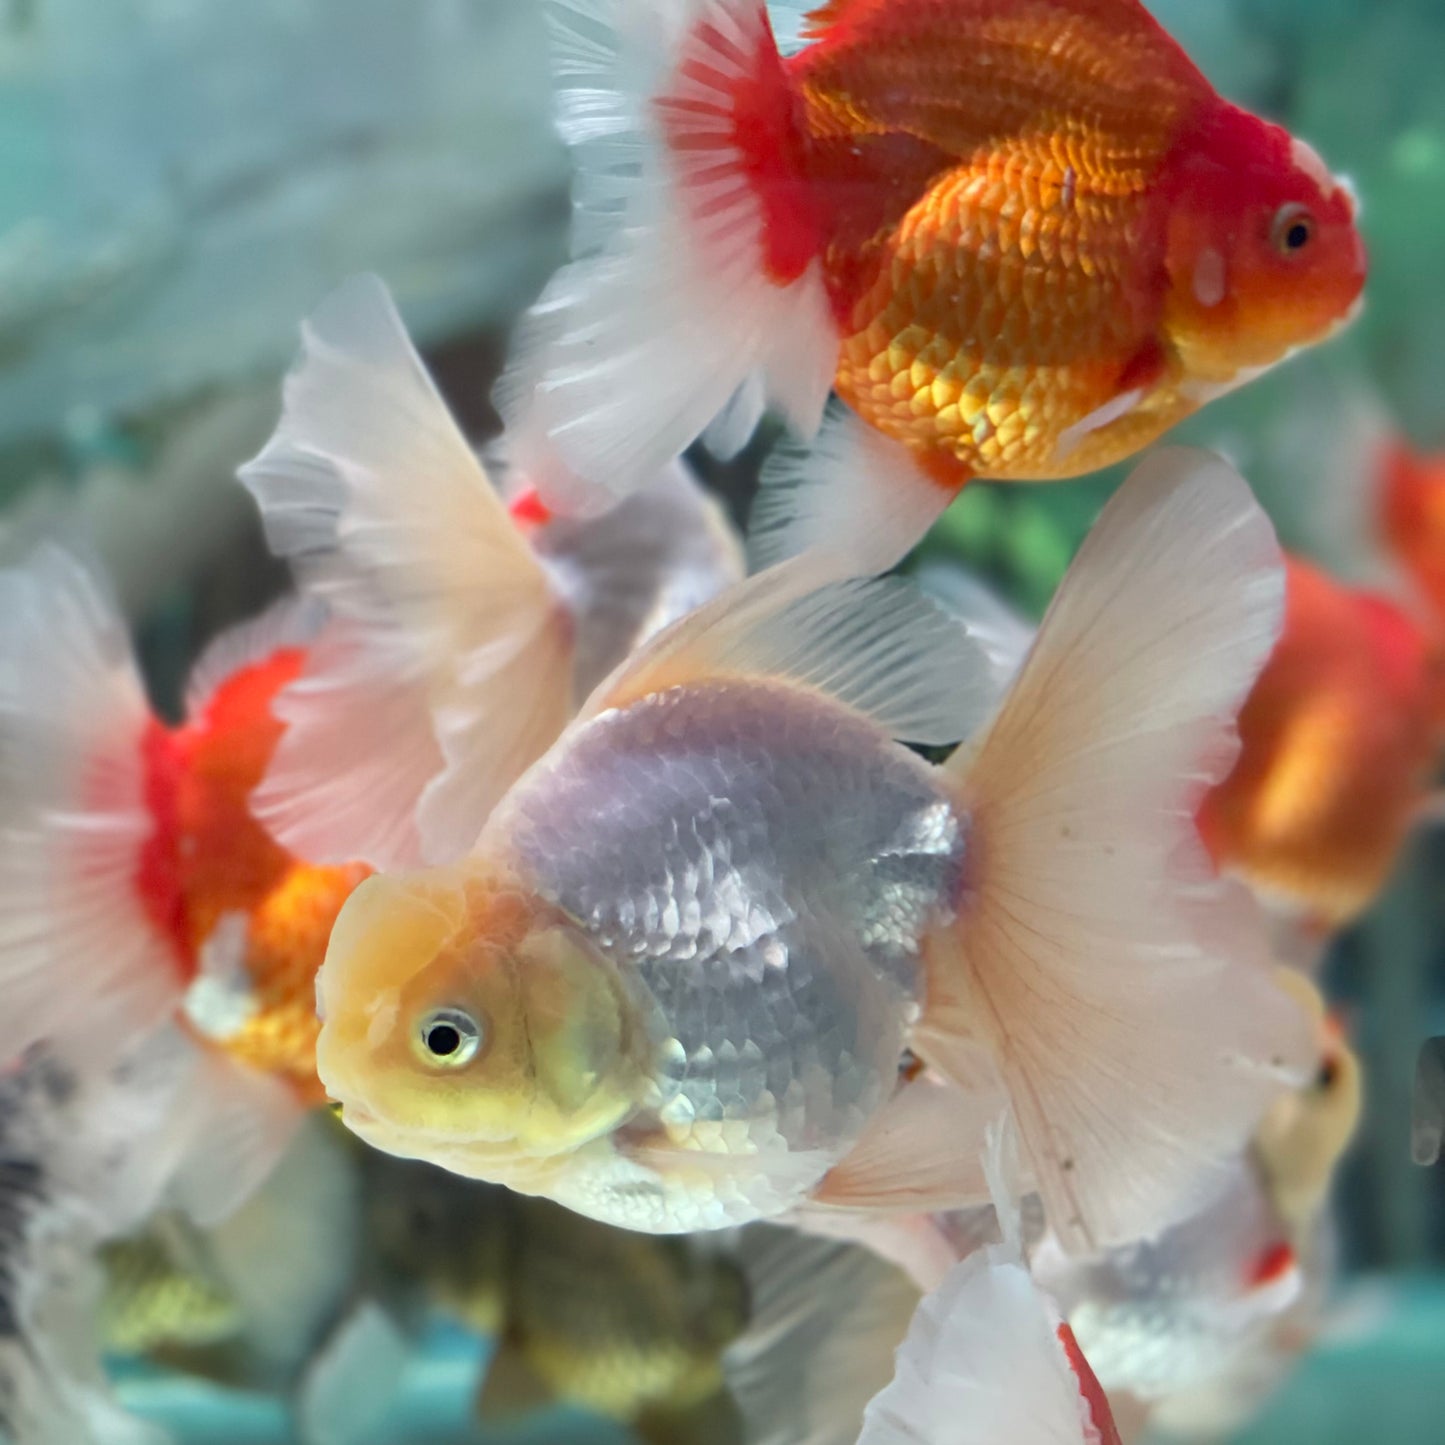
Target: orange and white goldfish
{"points": [[1023, 239], [672, 984], [1341, 737]]}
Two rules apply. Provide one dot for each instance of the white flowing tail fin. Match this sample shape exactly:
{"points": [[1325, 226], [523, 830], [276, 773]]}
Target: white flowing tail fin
{"points": [[697, 267], [448, 667], [80, 954], [989, 1359], [1124, 989]]}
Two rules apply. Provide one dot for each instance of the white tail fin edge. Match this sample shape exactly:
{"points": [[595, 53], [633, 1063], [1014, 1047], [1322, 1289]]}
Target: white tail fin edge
{"points": [[79, 954], [641, 342], [857, 494], [449, 669], [1123, 988]]}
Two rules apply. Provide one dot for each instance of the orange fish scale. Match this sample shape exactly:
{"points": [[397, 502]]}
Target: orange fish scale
{"points": [[988, 267], [285, 946]]}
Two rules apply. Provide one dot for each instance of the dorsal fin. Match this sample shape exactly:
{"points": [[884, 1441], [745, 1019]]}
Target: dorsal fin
{"points": [[877, 645], [822, 18]]}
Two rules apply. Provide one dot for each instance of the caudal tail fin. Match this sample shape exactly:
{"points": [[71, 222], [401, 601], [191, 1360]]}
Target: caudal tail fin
{"points": [[448, 665], [697, 273], [1122, 987], [84, 929]]}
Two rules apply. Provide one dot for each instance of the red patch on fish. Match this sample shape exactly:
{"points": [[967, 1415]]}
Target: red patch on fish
{"points": [[1101, 1416], [1272, 1265], [529, 510], [734, 100]]}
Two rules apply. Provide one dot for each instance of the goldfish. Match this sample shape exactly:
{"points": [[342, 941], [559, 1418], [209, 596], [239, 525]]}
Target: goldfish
{"points": [[1341, 737], [1173, 1320], [147, 867], [672, 984], [629, 1326], [1023, 240]]}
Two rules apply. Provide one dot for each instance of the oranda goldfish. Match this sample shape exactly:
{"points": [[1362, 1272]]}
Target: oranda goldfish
{"points": [[625, 1325], [1341, 737], [1218, 1296], [1023, 239], [152, 869], [672, 984]]}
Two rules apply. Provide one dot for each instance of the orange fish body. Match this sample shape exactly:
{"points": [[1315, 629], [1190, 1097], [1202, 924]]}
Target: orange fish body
{"points": [[1063, 223], [223, 890], [1340, 737]]}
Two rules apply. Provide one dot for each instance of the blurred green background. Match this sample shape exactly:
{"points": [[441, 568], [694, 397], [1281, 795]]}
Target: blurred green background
{"points": [[183, 179]]}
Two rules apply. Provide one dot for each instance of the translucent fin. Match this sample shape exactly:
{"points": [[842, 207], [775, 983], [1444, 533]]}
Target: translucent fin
{"points": [[688, 279], [238, 1124], [897, 1163], [78, 952], [988, 1359], [652, 559], [1123, 988], [452, 641], [826, 1317], [290, 1253], [1427, 1125], [853, 491], [733, 427], [353, 1378], [1005, 635], [877, 646], [291, 622]]}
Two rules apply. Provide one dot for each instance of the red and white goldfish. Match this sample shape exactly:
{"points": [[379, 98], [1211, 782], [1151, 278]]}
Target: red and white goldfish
{"points": [[1341, 737], [672, 984], [1225, 1293], [1023, 239]]}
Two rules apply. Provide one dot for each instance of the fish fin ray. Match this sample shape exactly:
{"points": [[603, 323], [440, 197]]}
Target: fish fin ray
{"points": [[1122, 986], [877, 646], [78, 952], [455, 670], [852, 491], [637, 345]]}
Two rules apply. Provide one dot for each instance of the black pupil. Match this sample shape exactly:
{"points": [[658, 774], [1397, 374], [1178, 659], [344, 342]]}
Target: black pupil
{"points": [[1297, 235], [1329, 1071], [443, 1039]]}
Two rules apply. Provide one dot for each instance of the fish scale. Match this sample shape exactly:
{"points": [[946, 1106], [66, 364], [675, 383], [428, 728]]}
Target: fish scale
{"points": [[888, 860]]}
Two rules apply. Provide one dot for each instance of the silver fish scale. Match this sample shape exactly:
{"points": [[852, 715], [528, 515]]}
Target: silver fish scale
{"points": [[762, 865]]}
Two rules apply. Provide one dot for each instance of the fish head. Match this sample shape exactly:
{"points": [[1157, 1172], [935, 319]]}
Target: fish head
{"points": [[1263, 251], [466, 1022], [1304, 1135]]}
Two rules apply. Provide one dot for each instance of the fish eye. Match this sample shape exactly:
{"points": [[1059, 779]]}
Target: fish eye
{"points": [[1292, 230], [448, 1038]]}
